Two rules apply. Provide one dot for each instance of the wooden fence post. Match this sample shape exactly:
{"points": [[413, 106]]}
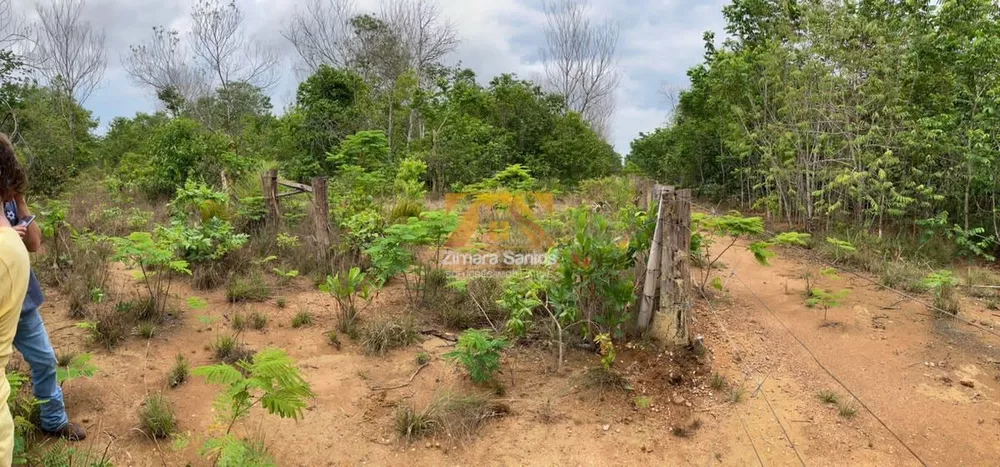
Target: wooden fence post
{"points": [[269, 181], [673, 320], [652, 278], [321, 219]]}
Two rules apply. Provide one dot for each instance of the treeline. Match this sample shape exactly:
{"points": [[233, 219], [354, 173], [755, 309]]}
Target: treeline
{"points": [[376, 92], [878, 114]]}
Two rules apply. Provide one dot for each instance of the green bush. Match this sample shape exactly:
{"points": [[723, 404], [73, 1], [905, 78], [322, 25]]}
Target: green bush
{"points": [[478, 353]]}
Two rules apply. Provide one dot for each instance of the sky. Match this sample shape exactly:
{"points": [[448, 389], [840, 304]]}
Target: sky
{"points": [[660, 40]]}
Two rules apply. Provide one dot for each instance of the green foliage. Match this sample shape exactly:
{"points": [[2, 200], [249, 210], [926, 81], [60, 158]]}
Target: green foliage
{"points": [[78, 367], [730, 229], [478, 353], [179, 372], [176, 151], [396, 252], [156, 417], [302, 319], [156, 257], [248, 288], [513, 178], [825, 299], [353, 292], [270, 380], [410, 180], [943, 283]]}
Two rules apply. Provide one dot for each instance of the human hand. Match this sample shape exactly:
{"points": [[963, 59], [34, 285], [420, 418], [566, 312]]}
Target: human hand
{"points": [[21, 230]]}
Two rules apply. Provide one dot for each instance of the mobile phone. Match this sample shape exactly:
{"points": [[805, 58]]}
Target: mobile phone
{"points": [[26, 221]]}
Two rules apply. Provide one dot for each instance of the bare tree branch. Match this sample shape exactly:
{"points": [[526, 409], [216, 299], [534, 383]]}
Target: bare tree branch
{"points": [[221, 43], [321, 33], [425, 35], [580, 59], [70, 54], [162, 63]]}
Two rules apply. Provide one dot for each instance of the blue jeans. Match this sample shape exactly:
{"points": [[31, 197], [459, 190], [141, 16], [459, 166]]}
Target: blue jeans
{"points": [[33, 342]]}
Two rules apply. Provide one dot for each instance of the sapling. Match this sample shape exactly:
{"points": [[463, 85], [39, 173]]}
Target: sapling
{"points": [[353, 292], [943, 283], [271, 381], [826, 299]]}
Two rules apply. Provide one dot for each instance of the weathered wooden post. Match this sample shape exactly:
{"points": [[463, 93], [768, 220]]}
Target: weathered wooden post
{"points": [[321, 219], [652, 278], [269, 182], [672, 323]]}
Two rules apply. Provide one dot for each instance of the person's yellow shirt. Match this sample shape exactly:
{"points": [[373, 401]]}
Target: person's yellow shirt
{"points": [[14, 269]]}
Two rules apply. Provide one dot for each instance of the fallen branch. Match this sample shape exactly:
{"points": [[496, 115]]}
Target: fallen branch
{"points": [[440, 335], [401, 385]]}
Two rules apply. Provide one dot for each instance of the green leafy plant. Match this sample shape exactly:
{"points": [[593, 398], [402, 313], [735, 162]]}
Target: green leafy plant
{"points": [[157, 260], [826, 299], [478, 353], [270, 381], [353, 293], [79, 366], [942, 284]]}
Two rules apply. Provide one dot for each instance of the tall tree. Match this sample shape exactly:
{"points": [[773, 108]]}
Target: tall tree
{"points": [[580, 59], [321, 33], [70, 54]]}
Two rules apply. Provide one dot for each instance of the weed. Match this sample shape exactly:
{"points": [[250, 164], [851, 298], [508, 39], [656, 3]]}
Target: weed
{"points": [[943, 283], [737, 394], [718, 382], [686, 431], [993, 305], [257, 320], [458, 416], [828, 397], [353, 292], [333, 339], [903, 275], [380, 336], [847, 410], [229, 350], [64, 359], [239, 322], [179, 372], [605, 380], [109, 327], [281, 302], [302, 319], [981, 276], [146, 330], [642, 402], [78, 367], [248, 288], [478, 353], [423, 358], [156, 417], [404, 210], [412, 424]]}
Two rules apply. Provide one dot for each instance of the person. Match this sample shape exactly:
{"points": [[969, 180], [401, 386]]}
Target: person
{"points": [[14, 272], [31, 339]]}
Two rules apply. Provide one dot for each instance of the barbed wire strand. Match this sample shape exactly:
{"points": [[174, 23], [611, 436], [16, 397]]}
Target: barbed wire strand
{"points": [[827, 370]]}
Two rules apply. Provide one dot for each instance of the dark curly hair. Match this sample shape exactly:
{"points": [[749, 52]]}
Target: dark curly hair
{"points": [[13, 180]]}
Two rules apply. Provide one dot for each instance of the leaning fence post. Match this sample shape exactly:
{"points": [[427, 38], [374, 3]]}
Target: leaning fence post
{"points": [[321, 219], [652, 268]]}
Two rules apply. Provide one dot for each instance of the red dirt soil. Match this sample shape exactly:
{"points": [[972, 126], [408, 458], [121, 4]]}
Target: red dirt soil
{"points": [[905, 364]]}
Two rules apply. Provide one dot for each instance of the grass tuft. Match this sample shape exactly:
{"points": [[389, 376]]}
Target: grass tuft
{"points": [[156, 417], [302, 319], [687, 431], [737, 394], [828, 397], [179, 373], [718, 382], [229, 350], [248, 288], [604, 380], [380, 336]]}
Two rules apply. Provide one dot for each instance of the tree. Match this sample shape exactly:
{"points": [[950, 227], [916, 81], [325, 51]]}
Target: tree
{"points": [[70, 53], [321, 33], [580, 61], [163, 64]]}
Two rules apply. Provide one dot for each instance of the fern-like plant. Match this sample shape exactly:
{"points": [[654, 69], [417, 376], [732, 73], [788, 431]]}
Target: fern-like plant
{"points": [[272, 381], [943, 283], [479, 353]]}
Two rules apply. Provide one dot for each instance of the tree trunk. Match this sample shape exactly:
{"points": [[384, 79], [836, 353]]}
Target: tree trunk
{"points": [[673, 321]]}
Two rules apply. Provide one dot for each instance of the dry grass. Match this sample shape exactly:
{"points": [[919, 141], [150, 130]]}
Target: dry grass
{"points": [[248, 288], [179, 373], [604, 380], [458, 416], [380, 336], [688, 430]]}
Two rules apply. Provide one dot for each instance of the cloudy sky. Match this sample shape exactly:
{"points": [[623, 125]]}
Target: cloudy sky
{"points": [[660, 40]]}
